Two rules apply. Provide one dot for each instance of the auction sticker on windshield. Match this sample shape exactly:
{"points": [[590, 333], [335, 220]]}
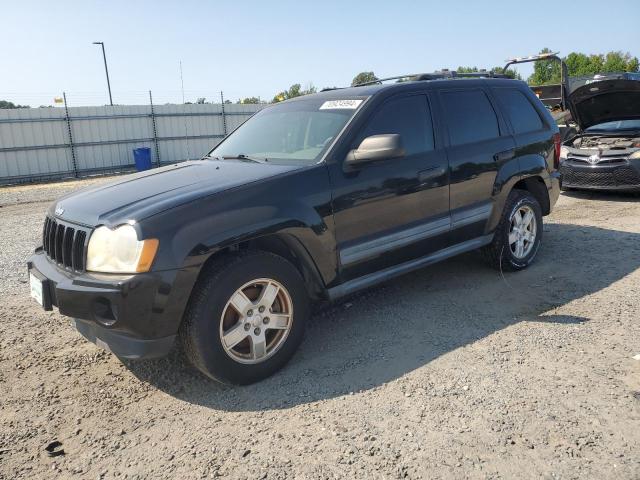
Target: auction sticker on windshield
{"points": [[344, 104]]}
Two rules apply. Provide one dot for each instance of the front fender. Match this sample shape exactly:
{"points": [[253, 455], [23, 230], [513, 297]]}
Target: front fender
{"points": [[304, 225], [298, 205]]}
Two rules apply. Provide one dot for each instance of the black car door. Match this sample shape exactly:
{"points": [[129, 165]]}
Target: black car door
{"points": [[479, 144], [394, 209]]}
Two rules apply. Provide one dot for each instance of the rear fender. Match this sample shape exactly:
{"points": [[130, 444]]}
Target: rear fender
{"points": [[524, 166], [508, 175]]}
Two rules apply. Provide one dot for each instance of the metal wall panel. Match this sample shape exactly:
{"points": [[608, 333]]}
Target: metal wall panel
{"points": [[35, 143]]}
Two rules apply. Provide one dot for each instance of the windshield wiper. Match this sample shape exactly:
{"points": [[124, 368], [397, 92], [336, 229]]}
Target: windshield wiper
{"points": [[242, 156]]}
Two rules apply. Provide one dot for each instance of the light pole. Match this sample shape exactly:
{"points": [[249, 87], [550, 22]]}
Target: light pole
{"points": [[104, 56]]}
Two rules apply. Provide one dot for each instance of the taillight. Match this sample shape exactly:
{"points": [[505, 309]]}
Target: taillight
{"points": [[557, 143]]}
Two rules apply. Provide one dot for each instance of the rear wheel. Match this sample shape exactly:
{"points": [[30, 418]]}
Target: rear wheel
{"points": [[246, 317], [519, 233]]}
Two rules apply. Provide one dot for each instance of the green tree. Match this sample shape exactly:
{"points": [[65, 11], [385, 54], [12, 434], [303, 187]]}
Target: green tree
{"points": [[578, 64], [545, 72], [633, 65], [510, 72], [295, 90], [363, 77], [250, 100], [620, 62], [9, 105], [597, 63]]}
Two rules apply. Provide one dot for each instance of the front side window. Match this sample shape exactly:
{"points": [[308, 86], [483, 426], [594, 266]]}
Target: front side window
{"points": [[522, 114], [292, 132], [409, 117], [470, 116]]}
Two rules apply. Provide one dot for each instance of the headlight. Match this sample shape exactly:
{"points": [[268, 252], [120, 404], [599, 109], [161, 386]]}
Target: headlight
{"points": [[635, 155], [120, 251], [564, 152]]}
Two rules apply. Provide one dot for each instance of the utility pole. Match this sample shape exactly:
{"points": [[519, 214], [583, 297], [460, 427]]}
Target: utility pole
{"points": [[106, 69]]}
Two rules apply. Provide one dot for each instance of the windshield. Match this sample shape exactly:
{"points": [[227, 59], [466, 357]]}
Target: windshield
{"points": [[613, 126], [292, 132]]}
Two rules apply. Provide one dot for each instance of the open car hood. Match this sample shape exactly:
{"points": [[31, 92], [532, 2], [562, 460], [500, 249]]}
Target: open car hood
{"points": [[604, 98]]}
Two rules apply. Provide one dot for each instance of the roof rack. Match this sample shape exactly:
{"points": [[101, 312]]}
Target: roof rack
{"points": [[438, 75], [454, 74], [445, 73], [380, 80]]}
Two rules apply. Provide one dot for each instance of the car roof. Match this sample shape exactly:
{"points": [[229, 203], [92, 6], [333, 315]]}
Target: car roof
{"points": [[369, 90]]}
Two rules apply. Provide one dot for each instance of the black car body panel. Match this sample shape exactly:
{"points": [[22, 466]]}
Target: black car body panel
{"points": [[144, 194], [604, 98], [344, 226]]}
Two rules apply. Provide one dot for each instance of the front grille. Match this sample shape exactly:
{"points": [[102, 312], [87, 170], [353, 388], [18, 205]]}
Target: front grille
{"points": [[615, 177], [626, 176], [583, 160], [64, 244]]}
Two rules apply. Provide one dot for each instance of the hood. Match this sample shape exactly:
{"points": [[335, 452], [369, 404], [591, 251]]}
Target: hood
{"points": [[138, 196], [604, 98]]}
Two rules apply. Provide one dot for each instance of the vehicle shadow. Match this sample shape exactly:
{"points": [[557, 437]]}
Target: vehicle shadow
{"points": [[384, 333]]}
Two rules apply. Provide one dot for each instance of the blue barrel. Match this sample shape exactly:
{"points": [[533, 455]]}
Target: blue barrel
{"points": [[142, 157]]}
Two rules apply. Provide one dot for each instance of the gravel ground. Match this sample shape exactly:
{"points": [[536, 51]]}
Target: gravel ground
{"points": [[452, 371]]}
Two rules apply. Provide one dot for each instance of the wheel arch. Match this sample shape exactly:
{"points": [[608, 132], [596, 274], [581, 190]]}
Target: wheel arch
{"points": [[537, 187], [510, 177], [284, 245]]}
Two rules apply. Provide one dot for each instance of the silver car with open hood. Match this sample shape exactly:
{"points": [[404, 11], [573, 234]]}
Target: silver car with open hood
{"points": [[605, 154]]}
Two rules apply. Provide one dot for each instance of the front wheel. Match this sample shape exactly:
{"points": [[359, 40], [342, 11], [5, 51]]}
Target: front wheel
{"points": [[518, 235], [246, 317]]}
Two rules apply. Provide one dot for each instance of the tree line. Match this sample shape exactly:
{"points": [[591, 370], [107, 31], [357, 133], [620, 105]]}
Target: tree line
{"points": [[4, 104], [545, 72]]}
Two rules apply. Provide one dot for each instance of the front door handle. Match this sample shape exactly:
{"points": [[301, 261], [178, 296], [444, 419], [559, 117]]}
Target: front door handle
{"points": [[504, 156]]}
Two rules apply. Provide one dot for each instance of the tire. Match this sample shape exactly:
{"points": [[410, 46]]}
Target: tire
{"points": [[505, 255], [214, 312]]}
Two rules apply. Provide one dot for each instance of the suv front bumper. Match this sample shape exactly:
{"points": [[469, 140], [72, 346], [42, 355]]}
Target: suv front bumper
{"points": [[133, 316]]}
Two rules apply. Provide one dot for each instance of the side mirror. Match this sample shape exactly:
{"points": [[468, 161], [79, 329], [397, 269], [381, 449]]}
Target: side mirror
{"points": [[376, 147]]}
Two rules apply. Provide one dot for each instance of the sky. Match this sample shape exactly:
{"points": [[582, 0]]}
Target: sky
{"points": [[258, 48]]}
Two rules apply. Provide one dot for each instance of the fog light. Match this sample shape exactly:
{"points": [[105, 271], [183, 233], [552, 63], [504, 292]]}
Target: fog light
{"points": [[105, 312]]}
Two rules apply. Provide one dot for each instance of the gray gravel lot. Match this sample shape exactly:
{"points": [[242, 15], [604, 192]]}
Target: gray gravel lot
{"points": [[451, 372]]}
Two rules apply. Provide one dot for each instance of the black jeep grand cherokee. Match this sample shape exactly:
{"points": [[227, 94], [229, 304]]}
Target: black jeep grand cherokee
{"points": [[310, 199]]}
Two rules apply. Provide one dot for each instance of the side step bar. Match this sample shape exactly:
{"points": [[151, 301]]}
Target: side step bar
{"points": [[388, 273]]}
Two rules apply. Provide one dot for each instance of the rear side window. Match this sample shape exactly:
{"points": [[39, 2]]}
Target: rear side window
{"points": [[470, 116], [522, 114], [408, 116]]}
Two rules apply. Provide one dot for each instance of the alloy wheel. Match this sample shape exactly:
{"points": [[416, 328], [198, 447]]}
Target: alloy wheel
{"points": [[256, 321], [522, 233]]}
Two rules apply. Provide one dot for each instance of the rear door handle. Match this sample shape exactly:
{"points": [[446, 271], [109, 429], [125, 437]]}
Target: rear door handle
{"points": [[504, 156]]}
